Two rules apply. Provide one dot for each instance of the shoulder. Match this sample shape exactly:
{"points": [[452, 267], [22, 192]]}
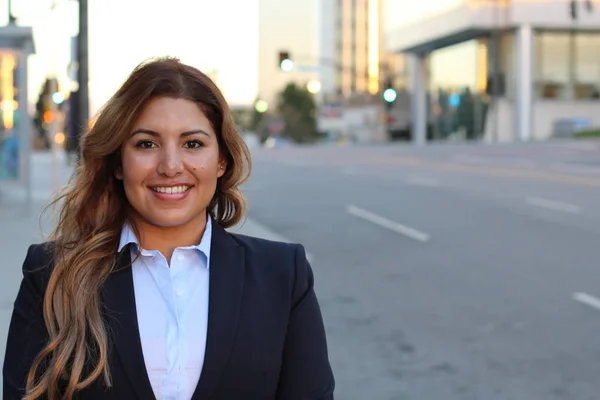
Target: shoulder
{"points": [[266, 248], [39, 260], [278, 261], [40, 253], [285, 254]]}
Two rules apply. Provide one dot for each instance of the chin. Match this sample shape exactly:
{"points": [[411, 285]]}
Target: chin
{"points": [[166, 219]]}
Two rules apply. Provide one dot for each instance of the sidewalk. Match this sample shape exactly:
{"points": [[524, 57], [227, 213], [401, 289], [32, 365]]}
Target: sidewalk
{"points": [[21, 226]]}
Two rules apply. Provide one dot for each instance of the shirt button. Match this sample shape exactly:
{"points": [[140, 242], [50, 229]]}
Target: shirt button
{"points": [[180, 293], [180, 257]]}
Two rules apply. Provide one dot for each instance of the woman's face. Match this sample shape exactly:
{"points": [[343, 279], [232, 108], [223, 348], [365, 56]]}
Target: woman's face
{"points": [[171, 163]]}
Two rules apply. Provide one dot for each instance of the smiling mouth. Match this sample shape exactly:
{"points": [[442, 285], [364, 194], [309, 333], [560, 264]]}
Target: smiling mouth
{"points": [[171, 189]]}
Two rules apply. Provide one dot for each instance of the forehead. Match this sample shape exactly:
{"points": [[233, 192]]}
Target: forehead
{"points": [[165, 114]]}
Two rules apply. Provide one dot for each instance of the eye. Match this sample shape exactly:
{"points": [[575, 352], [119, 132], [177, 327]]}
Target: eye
{"points": [[194, 144], [145, 144]]}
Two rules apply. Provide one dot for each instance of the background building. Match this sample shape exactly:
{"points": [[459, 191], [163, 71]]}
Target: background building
{"points": [[501, 70], [355, 69], [351, 46]]}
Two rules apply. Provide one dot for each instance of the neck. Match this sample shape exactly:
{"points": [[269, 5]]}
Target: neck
{"points": [[167, 239]]}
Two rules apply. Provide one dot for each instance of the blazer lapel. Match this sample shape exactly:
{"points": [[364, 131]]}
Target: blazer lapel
{"points": [[119, 301], [227, 268]]}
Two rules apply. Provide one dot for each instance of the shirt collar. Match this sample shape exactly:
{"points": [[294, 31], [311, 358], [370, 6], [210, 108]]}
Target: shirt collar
{"points": [[128, 237]]}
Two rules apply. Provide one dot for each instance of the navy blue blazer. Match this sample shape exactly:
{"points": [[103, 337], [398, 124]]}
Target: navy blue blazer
{"points": [[265, 338]]}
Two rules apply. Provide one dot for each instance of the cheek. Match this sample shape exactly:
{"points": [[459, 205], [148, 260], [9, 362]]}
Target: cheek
{"points": [[136, 169], [203, 167], [202, 172]]}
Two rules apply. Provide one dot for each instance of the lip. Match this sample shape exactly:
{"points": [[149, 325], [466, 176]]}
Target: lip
{"points": [[170, 185], [171, 196]]}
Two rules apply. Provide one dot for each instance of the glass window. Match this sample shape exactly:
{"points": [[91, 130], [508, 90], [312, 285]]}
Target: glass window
{"points": [[457, 103], [552, 64], [455, 66], [587, 65], [567, 65]]}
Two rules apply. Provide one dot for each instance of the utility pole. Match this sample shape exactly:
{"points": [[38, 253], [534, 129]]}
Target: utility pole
{"points": [[11, 18], [83, 95]]}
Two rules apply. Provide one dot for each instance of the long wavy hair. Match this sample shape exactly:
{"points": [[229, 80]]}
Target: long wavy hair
{"points": [[93, 210]]}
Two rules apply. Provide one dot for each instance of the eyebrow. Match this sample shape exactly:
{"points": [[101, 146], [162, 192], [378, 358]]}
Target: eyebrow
{"points": [[156, 134]]}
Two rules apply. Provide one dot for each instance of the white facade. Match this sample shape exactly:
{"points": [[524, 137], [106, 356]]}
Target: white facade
{"points": [[544, 82]]}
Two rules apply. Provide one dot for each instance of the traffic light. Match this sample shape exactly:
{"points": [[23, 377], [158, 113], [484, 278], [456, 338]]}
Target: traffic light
{"points": [[285, 61], [48, 117], [573, 7], [495, 84], [58, 98], [389, 93]]}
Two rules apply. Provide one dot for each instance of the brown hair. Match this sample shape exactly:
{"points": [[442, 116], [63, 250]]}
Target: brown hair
{"points": [[93, 212]]}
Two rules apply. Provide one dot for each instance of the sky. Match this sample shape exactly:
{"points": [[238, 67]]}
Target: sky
{"points": [[210, 35]]}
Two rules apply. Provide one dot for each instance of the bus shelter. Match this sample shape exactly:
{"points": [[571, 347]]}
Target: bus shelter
{"points": [[16, 44]]}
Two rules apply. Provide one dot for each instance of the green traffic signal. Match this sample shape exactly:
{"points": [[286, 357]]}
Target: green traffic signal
{"points": [[390, 95], [285, 61]]}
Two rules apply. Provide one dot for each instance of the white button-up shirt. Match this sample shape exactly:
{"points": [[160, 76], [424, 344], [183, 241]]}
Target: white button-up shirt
{"points": [[172, 312]]}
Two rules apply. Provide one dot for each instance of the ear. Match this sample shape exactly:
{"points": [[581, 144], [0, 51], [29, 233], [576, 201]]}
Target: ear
{"points": [[119, 173], [222, 167]]}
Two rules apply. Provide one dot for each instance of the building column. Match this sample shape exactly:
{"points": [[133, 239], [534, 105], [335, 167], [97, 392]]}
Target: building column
{"points": [[418, 78], [524, 93], [24, 124]]}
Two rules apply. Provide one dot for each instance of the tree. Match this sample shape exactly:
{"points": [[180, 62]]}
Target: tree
{"points": [[41, 106], [297, 107], [241, 117]]}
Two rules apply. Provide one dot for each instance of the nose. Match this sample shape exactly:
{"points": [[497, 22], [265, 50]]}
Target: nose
{"points": [[171, 162]]}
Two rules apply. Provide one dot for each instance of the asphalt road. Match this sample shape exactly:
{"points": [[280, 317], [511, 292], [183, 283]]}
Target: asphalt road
{"points": [[447, 272]]}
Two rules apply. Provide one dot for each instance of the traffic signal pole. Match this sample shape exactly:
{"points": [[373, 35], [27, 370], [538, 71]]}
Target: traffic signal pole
{"points": [[83, 96]]}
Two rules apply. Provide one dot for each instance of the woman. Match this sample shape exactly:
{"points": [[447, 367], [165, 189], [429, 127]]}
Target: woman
{"points": [[142, 293]]}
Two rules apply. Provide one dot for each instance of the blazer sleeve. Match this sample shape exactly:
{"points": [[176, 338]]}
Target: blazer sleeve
{"points": [[306, 373], [27, 332]]}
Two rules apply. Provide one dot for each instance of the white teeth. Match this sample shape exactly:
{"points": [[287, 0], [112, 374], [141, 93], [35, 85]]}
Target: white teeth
{"points": [[171, 190]]}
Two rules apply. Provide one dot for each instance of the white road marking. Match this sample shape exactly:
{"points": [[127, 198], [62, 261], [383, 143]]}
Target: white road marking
{"points": [[387, 223], [252, 228], [587, 299], [419, 181], [553, 205]]}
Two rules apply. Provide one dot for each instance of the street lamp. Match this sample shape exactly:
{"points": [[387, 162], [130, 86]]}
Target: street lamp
{"points": [[261, 106], [313, 86]]}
